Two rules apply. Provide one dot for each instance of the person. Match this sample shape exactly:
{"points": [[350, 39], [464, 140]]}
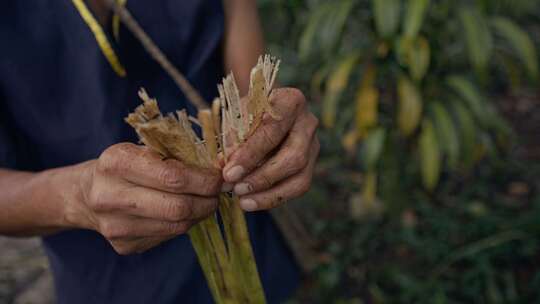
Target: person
{"points": [[112, 214]]}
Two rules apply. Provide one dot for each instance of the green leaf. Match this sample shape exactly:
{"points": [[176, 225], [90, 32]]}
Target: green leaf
{"points": [[520, 42], [308, 36], [418, 58], [430, 155], [402, 49], [386, 16], [318, 78], [414, 16], [467, 131], [324, 27], [470, 94], [409, 106], [337, 82], [372, 147], [446, 132], [477, 37]]}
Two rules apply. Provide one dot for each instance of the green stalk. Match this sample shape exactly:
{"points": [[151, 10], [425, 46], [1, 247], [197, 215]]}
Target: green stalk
{"points": [[200, 244], [231, 290], [212, 255], [240, 250]]}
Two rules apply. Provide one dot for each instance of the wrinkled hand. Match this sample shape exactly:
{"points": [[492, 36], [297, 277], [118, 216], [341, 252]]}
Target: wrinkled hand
{"points": [[276, 162], [136, 200]]}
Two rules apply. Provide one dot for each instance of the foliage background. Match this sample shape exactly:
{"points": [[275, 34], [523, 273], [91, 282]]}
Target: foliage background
{"points": [[415, 206]]}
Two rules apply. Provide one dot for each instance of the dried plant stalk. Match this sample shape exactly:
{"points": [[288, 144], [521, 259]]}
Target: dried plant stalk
{"points": [[226, 258]]}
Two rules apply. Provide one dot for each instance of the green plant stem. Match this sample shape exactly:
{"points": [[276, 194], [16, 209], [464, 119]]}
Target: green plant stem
{"points": [[240, 250], [212, 255]]}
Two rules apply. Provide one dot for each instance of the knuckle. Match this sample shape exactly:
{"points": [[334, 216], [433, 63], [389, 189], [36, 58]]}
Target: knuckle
{"points": [[303, 186], [172, 178], [180, 210], [113, 159], [313, 121], [98, 201], [211, 183], [178, 228], [298, 160], [263, 181], [268, 136], [275, 202], [296, 96], [210, 207], [123, 249], [112, 231]]}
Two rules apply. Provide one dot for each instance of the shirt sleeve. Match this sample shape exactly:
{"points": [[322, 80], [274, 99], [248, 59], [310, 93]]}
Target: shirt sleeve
{"points": [[7, 147]]}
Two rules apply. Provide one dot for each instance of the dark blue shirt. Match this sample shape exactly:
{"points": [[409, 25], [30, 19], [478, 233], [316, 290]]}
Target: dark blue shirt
{"points": [[61, 103]]}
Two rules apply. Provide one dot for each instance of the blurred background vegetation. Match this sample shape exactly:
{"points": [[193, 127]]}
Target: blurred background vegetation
{"points": [[427, 185]]}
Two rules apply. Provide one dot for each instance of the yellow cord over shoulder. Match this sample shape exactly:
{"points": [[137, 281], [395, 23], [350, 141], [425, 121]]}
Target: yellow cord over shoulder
{"points": [[101, 38]]}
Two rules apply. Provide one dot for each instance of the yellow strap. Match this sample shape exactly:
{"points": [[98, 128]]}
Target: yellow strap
{"points": [[101, 38], [116, 21]]}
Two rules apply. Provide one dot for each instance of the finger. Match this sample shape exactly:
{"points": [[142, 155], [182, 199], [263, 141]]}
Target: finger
{"points": [[138, 245], [288, 189], [157, 205], [115, 227], [292, 157], [141, 166], [287, 104]]}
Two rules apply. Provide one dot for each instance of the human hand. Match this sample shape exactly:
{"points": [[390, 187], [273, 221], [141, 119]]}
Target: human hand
{"points": [[276, 162], [136, 200]]}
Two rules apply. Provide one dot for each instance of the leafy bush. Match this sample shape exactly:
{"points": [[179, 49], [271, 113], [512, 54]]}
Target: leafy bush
{"points": [[412, 75], [413, 142]]}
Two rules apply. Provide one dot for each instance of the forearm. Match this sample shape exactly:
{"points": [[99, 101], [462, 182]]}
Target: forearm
{"points": [[243, 42], [40, 203]]}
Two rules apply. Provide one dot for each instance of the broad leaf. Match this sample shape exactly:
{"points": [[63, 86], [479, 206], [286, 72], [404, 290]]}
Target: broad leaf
{"points": [[467, 91], [520, 42], [446, 133], [337, 82], [418, 58], [325, 27], [467, 131], [367, 99], [430, 155], [477, 37], [310, 32], [386, 16], [372, 147], [409, 106], [414, 17], [402, 49]]}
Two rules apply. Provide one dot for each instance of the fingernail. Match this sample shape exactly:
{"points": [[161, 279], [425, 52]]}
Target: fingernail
{"points": [[235, 173], [248, 204], [226, 187], [242, 189]]}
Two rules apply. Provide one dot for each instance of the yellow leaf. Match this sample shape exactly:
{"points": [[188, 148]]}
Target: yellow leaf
{"points": [[367, 98], [337, 82], [409, 106], [349, 141], [369, 189], [430, 155]]}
